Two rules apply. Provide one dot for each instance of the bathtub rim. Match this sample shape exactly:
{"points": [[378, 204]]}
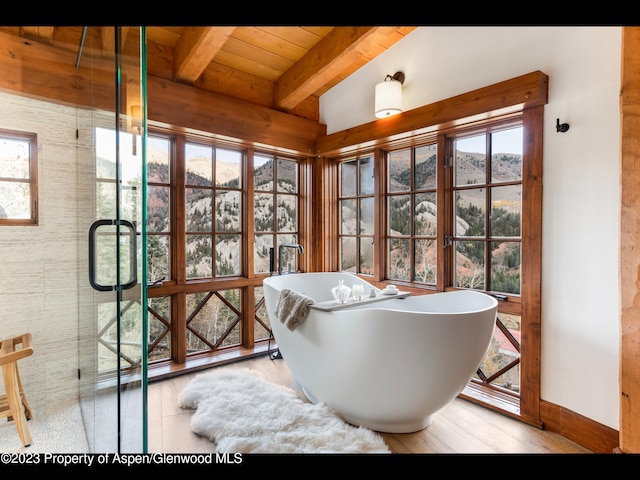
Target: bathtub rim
{"points": [[378, 305]]}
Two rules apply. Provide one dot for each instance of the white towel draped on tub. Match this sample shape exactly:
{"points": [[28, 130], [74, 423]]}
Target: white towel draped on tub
{"points": [[292, 308]]}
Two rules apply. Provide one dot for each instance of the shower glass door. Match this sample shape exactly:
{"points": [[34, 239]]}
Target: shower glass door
{"points": [[113, 340]]}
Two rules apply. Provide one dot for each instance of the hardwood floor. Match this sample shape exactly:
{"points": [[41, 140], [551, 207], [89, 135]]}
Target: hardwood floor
{"points": [[460, 427]]}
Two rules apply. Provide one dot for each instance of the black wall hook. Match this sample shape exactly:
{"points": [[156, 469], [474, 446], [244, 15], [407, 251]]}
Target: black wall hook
{"points": [[561, 127]]}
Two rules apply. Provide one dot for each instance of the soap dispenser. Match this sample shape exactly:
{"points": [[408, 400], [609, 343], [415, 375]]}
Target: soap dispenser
{"points": [[341, 292]]}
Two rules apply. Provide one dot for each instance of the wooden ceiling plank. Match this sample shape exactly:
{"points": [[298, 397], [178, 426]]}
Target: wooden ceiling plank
{"points": [[195, 50], [304, 37], [167, 36], [249, 53], [320, 31], [250, 67], [269, 42], [321, 68], [44, 34]]}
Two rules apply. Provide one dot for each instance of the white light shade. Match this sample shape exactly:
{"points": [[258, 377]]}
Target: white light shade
{"points": [[388, 98]]}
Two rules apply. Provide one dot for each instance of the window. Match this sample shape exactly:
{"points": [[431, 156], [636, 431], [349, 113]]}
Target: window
{"points": [[159, 160], [275, 212], [203, 200], [412, 214], [481, 219], [18, 178], [471, 200], [213, 211], [159, 228], [356, 204], [486, 238], [487, 189]]}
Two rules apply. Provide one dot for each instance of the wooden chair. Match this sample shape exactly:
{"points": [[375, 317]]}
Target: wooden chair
{"points": [[13, 404]]}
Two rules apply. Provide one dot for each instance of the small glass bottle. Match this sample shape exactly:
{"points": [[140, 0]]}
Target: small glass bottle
{"points": [[341, 292], [358, 291]]}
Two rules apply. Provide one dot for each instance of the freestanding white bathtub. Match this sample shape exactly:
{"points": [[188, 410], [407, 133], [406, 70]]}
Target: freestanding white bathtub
{"points": [[389, 365]]}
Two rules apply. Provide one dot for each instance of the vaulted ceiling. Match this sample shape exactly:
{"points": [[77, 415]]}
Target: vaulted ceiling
{"points": [[286, 68]]}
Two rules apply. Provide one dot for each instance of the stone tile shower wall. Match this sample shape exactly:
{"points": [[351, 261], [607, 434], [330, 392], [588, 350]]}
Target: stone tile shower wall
{"points": [[43, 274]]}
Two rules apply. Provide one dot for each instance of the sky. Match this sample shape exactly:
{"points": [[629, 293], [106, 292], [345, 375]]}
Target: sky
{"points": [[505, 141]]}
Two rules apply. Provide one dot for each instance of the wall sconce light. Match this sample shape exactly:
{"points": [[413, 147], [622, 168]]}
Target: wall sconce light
{"points": [[136, 127], [388, 100]]}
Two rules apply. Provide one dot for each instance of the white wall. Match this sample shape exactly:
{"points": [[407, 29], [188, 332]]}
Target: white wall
{"points": [[581, 187]]}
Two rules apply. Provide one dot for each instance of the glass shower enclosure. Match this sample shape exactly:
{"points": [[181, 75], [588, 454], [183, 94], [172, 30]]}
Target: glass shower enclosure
{"points": [[112, 341]]}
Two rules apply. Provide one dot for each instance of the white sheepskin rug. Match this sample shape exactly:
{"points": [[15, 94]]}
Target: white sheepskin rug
{"points": [[244, 413]]}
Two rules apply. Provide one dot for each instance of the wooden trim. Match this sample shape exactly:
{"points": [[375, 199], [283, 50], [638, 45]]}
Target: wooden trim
{"points": [[165, 369], [495, 100], [178, 244], [531, 265], [496, 400], [178, 213], [248, 321], [318, 223], [325, 181], [305, 213], [178, 328], [380, 212], [592, 435], [629, 239], [247, 332], [444, 202], [248, 213]]}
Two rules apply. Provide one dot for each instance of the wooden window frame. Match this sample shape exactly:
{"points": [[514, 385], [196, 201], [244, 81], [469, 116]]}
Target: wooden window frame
{"points": [[385, 198], [32, 140], [358, 196], [178, 287], [214, 188], [488, 130], [278, 235]]}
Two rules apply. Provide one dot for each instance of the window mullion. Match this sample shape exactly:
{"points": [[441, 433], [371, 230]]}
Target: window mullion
{"points": [[178, 239], [380, 212], [487, 215], [444, 212]]}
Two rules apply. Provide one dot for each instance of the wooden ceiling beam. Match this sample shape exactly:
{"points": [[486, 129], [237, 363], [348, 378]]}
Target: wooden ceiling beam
{"points": [[195, 51], [180, 106], [324, 66], [196, 56]]}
